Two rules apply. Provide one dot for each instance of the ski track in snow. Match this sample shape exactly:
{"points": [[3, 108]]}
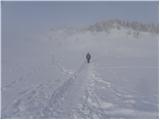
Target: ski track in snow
{"points": [[70, 85], [75, 98], [25, 92], [63, 97]]}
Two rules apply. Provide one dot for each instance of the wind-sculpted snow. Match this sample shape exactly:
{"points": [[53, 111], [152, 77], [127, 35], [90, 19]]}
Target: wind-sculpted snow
{"points": [[51, 79], [76, 97]]}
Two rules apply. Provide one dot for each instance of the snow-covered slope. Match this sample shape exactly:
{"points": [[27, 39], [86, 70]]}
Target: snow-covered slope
{"points": [[50, 78]]}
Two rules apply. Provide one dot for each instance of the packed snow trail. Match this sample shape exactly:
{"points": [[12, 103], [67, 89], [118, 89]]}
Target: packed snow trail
{"points": [[91, 106], [65, 98], [23, 93], [57, 105], [75, 97]]}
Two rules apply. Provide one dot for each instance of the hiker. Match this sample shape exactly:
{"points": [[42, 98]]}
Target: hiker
{"points": [[88, 57]]}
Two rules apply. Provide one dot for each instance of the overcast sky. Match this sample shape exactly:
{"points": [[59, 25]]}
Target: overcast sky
{"points": [[76, 13], [19, 19]]}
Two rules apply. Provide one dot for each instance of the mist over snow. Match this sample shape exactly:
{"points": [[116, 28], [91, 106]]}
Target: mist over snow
{"points": [[47, 75]]}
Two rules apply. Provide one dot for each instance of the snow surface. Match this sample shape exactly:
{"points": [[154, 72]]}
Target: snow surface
{"points": [[48, 77]]}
